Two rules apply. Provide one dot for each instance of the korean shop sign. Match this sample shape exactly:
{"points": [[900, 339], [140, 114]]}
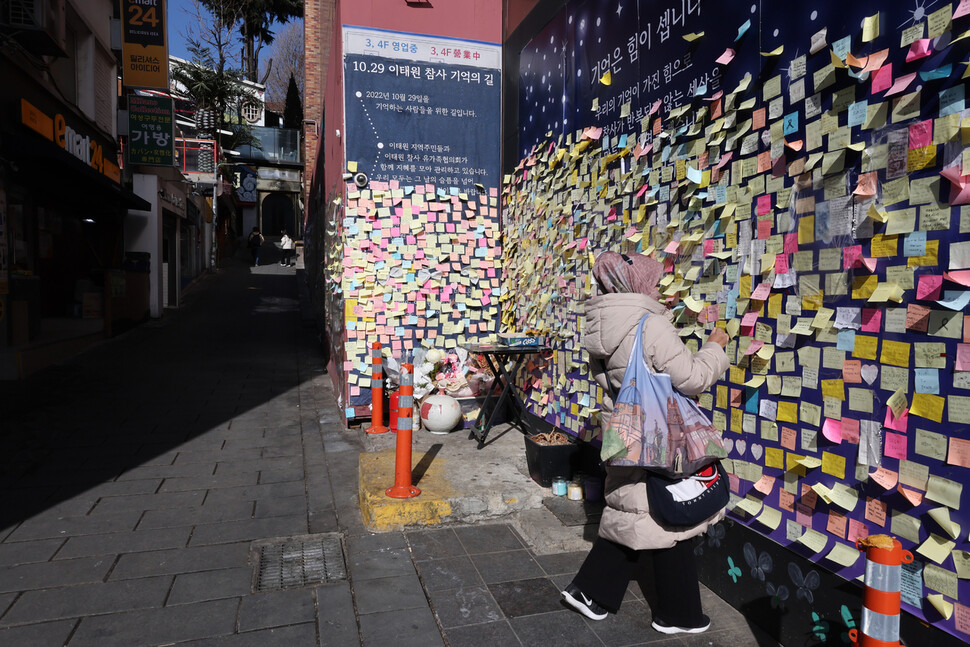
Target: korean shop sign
{"points": [[144, 50], [150, 131]]}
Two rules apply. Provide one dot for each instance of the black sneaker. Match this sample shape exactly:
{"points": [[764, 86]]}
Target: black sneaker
{"points": [[664, 628], [578, 600]]}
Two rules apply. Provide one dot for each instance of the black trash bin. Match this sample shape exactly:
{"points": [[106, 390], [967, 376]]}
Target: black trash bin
{"points": [[546, 462]]}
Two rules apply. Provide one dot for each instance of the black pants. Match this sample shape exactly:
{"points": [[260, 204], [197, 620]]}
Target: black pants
{"points": [[609, 567]]}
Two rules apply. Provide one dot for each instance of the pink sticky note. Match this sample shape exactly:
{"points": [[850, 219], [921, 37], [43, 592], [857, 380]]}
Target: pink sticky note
{"points": [[901, 84], [850, 256], [735, 483], [781, 263], [882, 78], [764, 205], [919, 49], [850, 430], [764, 228], [832, 430], [791, 243], [671, 247], [921, 134], [857, 530], [803, 515], [962, 10], [871, 320], [962, 612], [928, 287], [886, 478], [708, 246], [726, 57], [895, 446], [963, 357], [761, 293], [892, 422], [754, 347]]}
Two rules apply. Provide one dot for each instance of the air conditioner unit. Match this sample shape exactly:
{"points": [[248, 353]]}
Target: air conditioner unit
{"points": [[38, 25]]}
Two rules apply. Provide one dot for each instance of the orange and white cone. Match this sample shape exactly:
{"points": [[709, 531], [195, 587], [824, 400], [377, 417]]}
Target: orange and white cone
{"points": [[881, 594]]}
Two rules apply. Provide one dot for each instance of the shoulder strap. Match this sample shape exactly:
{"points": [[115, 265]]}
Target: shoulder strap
{"points": [[606, 372]]}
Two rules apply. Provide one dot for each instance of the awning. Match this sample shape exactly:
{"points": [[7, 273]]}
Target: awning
{"points": [[46, 166]]}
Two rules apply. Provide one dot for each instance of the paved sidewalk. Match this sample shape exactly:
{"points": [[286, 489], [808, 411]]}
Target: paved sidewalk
{"points": [[139, 480]]}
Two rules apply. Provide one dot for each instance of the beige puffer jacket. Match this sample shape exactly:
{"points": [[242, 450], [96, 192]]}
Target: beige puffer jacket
{"points": [[611, 322]]}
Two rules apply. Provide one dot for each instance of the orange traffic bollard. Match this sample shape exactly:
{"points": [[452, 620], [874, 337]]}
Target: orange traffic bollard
{"points": [[881, 593], [402, 488], [377, 392]]}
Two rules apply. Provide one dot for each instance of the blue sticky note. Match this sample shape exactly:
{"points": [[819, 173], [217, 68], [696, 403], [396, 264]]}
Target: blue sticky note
{"points": [[731, 311], [822, 222], [857, 113], [694, 175], [349, 412], [720, 194], [912, 583], [955, 299], [742, 29], [927, 380], [622, 143], [939, 73], [791, 123], [846, 340], [841, 47], [914, 244], [952, 100], [751, 399]]}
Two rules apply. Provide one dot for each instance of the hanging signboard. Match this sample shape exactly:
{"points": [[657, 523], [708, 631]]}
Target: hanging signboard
{"points": [[150, 131], [144, 49]]}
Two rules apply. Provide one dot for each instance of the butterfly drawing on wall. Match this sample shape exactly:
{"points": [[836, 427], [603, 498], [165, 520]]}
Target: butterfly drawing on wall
{"points": [[760, 565]]}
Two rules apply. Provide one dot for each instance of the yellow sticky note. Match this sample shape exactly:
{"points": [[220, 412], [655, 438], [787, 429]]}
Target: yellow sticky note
{"points": [[814, 540], [865, 347], [942, 517], [833, 389], [770, 517], [936, 548], [843, 554], [787, 412], [352, 167], [944, 491], [944, 607], [927, 405], [881, 246], [833, 464], [774, 457], [870, 28], [895, 353]]}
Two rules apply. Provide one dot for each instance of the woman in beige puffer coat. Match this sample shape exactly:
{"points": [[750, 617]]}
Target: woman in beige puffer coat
{"points": [[629, 533]]}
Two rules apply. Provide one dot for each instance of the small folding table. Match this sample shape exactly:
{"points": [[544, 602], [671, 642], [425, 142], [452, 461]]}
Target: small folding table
{"points": [[498, 356]]}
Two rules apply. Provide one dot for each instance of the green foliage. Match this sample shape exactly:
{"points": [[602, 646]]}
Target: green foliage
{"points": [[293, 108]]}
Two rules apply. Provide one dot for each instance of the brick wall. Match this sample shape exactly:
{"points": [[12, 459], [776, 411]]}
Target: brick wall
{"points": [[317, 29]]}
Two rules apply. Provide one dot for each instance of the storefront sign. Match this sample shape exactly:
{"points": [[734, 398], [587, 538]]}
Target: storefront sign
{"points": [[76, 142], [144, 50], [150, 131]]}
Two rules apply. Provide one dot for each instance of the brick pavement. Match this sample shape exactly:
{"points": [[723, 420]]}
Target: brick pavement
{"points": [[136, 477]]}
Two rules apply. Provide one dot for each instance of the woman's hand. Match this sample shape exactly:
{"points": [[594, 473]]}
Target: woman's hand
{"points": [[719, 337]]}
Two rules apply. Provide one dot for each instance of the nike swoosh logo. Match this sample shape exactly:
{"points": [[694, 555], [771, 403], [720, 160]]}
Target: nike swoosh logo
{"points": [[587, 601]]}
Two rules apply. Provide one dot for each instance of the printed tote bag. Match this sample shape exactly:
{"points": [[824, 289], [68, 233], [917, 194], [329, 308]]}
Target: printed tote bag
{"points": [[655, 426]]}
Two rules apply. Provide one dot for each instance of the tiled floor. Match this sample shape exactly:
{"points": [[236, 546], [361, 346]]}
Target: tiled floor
{"points": [[487, 588]]}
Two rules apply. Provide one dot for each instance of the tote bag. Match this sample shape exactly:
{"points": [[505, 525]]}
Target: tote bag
{"points": [[655, 426]]}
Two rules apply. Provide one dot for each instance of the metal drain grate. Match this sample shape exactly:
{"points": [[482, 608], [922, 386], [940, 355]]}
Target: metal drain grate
{"points": [[300, 561]]}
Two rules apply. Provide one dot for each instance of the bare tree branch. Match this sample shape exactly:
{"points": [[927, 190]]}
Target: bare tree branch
{"points": [[288, 59]]}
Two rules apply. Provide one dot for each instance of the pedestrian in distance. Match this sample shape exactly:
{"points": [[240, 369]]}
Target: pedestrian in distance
{"points": [[286, 246], [631, 539], [255, 242]]}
